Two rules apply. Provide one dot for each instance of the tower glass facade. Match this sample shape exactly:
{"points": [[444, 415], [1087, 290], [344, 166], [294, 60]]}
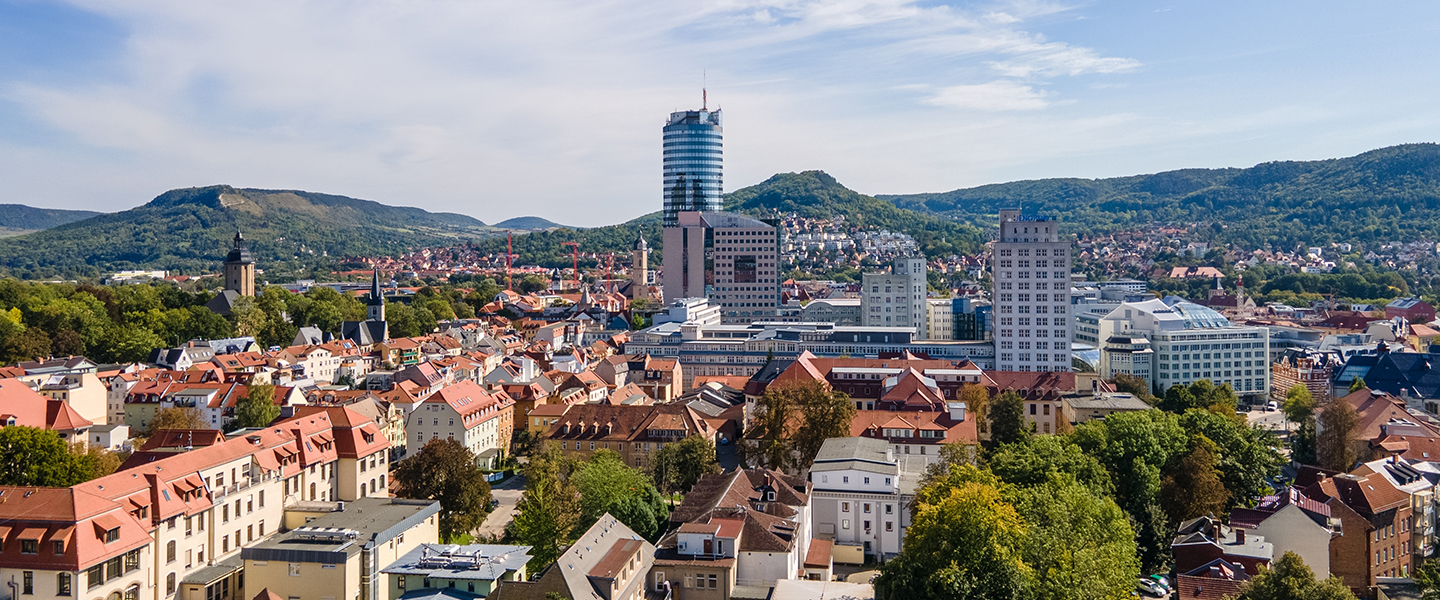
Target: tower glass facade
{"points": [[692, 153]]}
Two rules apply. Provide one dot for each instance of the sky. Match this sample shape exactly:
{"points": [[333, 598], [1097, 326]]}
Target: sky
{"points": [[554, 108]]}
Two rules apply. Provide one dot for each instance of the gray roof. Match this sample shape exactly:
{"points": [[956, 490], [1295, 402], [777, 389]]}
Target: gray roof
{"points": [[854, 448], [331, 538], [1108, 401], [449, 561], [587, 552]]}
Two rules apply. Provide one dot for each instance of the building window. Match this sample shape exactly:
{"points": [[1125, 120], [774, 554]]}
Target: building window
{"points": [[294, 570], [170, 552], [660, 581], [29, 583], [712, 581], [62, 584], [33, 546]]}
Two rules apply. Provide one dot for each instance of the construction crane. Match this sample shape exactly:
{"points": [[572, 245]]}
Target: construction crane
{"points": [[575, 256], [610, 272], [509, 249]]}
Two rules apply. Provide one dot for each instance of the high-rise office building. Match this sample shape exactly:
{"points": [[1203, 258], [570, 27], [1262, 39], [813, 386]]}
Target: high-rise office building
{"points": [[1031, 280], [897, 298], [731, 259], [692, 158]]}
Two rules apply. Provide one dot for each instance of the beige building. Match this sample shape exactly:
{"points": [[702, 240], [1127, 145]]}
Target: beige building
{"points": [[340, 555], [73, 380]]}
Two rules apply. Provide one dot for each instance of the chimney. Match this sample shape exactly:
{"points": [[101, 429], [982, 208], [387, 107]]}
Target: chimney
{"points": [[1239, 536]]}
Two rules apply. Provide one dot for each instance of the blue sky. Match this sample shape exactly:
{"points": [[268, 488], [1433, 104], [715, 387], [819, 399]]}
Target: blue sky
{"points": [[554, 108]]}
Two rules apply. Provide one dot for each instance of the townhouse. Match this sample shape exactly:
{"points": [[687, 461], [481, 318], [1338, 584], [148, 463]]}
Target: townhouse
{"points": [[634, 431], [178, 512], [482, 421]]}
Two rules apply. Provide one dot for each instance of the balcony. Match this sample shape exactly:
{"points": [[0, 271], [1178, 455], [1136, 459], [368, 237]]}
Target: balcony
{"points": [[221, 492]]}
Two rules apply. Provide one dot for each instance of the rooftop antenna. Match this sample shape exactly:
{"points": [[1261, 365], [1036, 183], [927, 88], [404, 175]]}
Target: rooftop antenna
{"points": [[704, 99]]}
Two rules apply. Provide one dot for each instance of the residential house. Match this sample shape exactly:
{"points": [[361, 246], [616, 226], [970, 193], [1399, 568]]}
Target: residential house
{"points": [[916, 432], [636, 432], [73, 380], [607, 562], [23, 407], [1292, 522], [1201, 540], [1375, 520], [481, 421], [735, 535]]}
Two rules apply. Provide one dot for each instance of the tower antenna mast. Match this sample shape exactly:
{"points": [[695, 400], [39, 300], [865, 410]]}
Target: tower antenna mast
{"points": [[704, 96]]}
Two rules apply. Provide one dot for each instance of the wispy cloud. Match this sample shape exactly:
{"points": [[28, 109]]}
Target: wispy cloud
{"points": [[992, 96]]}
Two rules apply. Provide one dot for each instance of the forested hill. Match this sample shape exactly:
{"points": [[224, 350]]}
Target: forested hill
{"points": [[1383, 195], [189, 231], [18, 217], [811, 194]]}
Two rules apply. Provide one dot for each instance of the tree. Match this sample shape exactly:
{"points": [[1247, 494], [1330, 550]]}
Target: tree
{"points": [[1079, 544], [607, 485], [1136, 447], [95, 461], [178, 417], [1427, 577], [1200, 394], [951, 455], [1303, 443], [1357, 385], [1299, 404], [1131, 384], [771, 432], [1193, 487], [1334, 446], [1246, 457], [827, 414], [1007, 419], [445, 470], [1290, 579], [1042, 457], [257, 409], [37, 457], [31, 344], [977, 400], [965, 541], [677, 466], [549, 508]]}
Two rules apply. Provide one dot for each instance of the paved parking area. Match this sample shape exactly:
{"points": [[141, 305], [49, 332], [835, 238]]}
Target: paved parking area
{"points": [[508, 493]]}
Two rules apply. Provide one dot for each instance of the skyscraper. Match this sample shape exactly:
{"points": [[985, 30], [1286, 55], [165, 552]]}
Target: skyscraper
{"points": [[692, 163], [1032, 294], [731, 259]]}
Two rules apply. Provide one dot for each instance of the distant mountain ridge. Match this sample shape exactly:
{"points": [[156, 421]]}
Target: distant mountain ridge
{"points": [[189, 231], [19, 217], [1386, 194], [811, 194], [527, 223]]}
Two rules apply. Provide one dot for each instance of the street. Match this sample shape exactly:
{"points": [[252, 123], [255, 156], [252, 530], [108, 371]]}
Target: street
{"points": [[508, 494], [1273, 420]]}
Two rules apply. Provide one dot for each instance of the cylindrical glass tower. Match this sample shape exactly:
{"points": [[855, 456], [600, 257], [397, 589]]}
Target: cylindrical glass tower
{"points": [[693, 174]]}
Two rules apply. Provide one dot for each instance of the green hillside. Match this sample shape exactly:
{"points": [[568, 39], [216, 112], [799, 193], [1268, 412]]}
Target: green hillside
{"points": [[1383, 195], [18, 219], [812, 194], [189, 231], [527, 223]]}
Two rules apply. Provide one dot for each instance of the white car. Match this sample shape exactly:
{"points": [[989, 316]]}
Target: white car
{"points": [[1272, 406]]}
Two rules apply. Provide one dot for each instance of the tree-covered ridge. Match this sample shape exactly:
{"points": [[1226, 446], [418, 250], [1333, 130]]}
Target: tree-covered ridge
{"points": [[810, 194], [189, 231], [19, 216], [1382, 195]]}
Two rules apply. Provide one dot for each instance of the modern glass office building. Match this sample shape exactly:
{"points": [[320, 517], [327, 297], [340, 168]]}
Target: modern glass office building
{"points": [[692, 154]]}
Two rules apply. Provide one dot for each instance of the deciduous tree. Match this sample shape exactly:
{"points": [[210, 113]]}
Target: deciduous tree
{"points": [[549, 508], [257, 409], [178, 417], [1078, 544], [1246, 457], [445, 471], [37, 457], [607, 485], [1291, 579], [1007, 419], [1193, 488], [1334, 446], [826, 413], [677, 466]]}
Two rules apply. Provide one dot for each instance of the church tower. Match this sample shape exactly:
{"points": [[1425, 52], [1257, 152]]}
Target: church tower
{"points": [[240, 268], [375, 306], [639, 268]]}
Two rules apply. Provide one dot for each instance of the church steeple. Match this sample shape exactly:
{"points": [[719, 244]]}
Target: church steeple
{"points": [[240, 267], [375, 306]]}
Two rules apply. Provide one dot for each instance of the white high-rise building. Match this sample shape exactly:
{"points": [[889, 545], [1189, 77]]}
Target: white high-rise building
{"points": [[897, 298], [1179, 343], [1031, 294]]}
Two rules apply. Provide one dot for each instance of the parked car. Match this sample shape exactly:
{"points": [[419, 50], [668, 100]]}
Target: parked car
{"points": [[1272, 406], [1162, 581], [1148, 587]]}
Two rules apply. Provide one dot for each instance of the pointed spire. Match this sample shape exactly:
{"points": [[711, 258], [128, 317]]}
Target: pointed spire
{"points": [[375, 295]]}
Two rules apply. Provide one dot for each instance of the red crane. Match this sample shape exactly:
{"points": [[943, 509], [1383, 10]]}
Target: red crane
{"points": [[575, 255]]}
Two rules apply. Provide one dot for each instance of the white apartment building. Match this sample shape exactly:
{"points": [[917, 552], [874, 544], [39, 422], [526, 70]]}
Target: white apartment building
{"points": [[1189, 342], [466, 413], [897, 298], [1032, 295], [861, 492], [940, 319]]}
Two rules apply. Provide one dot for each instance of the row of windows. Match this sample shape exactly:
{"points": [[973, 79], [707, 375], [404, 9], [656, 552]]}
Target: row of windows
{"points": [[1058, 309], [1039, 322], [1038, 274], [1025, 264], [1038, 252], [1025, 345], [1039, 285], [1025, 357], [1039, 333]]}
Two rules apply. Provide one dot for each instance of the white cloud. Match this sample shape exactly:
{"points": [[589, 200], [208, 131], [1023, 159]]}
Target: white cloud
{"points": [[992, 96]]}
